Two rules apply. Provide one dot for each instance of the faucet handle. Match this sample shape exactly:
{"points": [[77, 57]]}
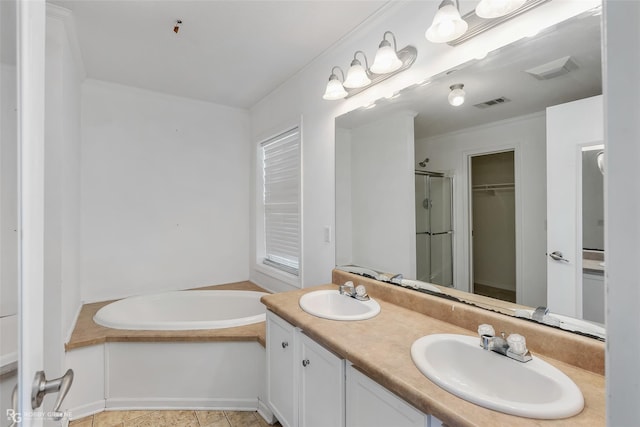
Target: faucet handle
{"points": [[517, 344], [486, 329]]}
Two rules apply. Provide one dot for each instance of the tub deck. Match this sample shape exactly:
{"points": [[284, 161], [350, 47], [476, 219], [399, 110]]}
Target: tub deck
{"points": [[86, 332]]}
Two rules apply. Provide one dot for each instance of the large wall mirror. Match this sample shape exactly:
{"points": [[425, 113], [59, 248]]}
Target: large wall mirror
{"points": [[465, 197]]}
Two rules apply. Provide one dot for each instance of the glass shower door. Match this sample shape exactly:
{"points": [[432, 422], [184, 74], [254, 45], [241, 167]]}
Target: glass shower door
{"points": [[434, 233]]}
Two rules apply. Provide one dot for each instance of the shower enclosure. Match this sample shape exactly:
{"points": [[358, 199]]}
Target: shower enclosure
{"points": [[434, 234]]}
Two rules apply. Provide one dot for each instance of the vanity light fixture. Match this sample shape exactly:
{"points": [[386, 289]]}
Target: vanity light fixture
{"points": [[357, 75], [490, 9], [335, 90], [447, 25], [386, 60], [451, 28], [456, 96]]}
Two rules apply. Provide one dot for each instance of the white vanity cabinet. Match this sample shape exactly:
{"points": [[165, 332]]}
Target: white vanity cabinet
{"points": [[369, 404], [305, 381], [282, 380], [309, 386]]}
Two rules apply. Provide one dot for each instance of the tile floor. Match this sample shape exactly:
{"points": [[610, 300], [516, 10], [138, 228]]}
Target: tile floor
{"points": [[172, 419]]}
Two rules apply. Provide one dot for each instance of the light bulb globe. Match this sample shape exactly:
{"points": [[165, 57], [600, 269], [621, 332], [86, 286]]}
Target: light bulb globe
{"points": [[356, 76], [447, 24], [386, 60], [334, 90]]}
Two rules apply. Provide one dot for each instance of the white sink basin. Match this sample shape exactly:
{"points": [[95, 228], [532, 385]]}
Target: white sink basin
{"points": [[534, 389], [329, 304]]}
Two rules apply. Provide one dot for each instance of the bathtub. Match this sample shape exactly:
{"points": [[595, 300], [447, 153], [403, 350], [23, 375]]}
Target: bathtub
{"points": [[184, 310]]}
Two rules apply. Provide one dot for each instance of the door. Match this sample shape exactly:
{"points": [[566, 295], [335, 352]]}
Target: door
{"points": [[569, 127], [322, 386], [30, 36]]}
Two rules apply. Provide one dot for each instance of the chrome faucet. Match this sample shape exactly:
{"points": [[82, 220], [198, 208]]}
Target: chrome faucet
{"points": [[357, 292], [514, 347]]}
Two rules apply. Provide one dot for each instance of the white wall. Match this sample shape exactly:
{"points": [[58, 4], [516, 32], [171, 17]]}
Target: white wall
{"points": [[450, 153], [622, 211], [302, 95], [165, 200], [379, 195]]}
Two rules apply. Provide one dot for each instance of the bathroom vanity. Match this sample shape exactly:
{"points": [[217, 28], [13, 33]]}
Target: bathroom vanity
{"points": [[308, 385], [331, 372]]}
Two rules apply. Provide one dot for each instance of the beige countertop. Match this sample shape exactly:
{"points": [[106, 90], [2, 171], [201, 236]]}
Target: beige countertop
{"points": [[380, 347], [86, 332]]}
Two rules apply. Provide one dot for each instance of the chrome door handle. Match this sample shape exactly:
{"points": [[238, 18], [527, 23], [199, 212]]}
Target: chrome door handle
{"points": [[557, 256], [41, 387]]}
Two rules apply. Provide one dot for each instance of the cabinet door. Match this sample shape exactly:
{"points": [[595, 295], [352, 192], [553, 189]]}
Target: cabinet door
{"points": [[322, 386], [281, 370], [371, 405]]}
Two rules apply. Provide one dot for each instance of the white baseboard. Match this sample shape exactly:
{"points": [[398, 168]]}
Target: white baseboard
{"points": [[86, 410], [131, 404], [265, 412]]}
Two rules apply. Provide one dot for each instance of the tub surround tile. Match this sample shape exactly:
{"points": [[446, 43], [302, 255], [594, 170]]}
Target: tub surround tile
{"points": [[86, 332], [380, 347]]}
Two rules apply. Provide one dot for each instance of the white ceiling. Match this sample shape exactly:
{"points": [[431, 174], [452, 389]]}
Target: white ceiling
{"points": [[227, 52]]}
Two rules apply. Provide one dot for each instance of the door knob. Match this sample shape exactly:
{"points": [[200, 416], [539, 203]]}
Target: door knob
{"points": [[41, 387], [557, 256]]}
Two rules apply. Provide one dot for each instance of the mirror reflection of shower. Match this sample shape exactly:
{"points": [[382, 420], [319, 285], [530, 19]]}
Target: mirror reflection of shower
{"points": [[423, 164], [434, 233]]}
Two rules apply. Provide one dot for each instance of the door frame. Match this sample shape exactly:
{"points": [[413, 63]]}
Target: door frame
{"points": [[467, 209], [31, 18]]}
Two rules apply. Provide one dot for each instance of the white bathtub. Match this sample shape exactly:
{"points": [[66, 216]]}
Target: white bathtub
{"points": [[184, 310]]}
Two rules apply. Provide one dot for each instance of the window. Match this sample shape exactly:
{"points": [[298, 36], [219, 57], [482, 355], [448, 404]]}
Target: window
{"points": [[281, 201]]}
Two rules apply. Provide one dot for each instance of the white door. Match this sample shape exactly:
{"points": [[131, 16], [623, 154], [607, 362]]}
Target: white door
{"points": [[569, 127], [30, 39]]}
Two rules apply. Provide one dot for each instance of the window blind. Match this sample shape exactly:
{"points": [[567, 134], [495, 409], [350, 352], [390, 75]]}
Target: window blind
{"points": [[281, 198]]}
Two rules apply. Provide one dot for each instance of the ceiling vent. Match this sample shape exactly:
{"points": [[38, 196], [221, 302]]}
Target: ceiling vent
{"points": [[491, 103], [553, 69]]}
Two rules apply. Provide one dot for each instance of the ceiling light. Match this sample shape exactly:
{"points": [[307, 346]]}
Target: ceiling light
{"points": [[447, 24], [357, 74], [456, 96], [334, 90], [386, 60], [496, 8]]}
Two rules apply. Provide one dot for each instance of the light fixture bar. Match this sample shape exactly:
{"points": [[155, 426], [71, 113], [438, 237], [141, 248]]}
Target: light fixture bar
{"points": [[407, 55], [479, 25]]}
